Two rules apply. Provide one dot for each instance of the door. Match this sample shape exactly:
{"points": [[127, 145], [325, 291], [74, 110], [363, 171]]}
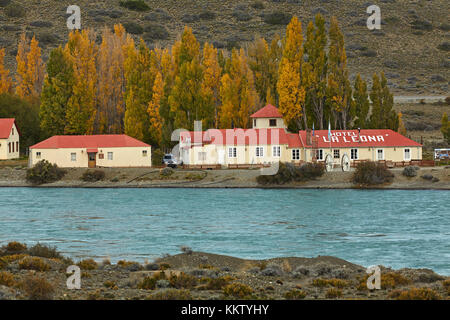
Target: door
{"points": [[92, 160]]}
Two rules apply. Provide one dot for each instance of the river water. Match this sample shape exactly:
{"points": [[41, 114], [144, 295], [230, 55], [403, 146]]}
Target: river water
{"points": [[397, 228]]}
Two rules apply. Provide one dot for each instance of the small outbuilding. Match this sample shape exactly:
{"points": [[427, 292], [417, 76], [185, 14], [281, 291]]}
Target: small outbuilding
{"points": [[9, 139], [91, 151]]}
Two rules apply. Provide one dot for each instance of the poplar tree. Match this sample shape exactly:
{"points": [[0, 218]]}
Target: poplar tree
{"points": [[291, 92], [382, 116], [238, 93], [153, 111], [5, 79], [362, 103], [339, 89], [30, 69], [315, 69], [56, 93], [401, 125], [111, 81], [139, 74], [81, 107], [211, 80], [186, 100]]}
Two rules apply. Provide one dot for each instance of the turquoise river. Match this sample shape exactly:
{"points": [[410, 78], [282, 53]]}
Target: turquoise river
{"points": [[397, 228]]}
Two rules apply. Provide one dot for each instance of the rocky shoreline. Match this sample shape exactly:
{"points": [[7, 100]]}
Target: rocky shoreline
{"points": [[151, 178], [39, 272]]}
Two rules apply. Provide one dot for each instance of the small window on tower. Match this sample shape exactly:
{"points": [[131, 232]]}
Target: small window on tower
{"points": [[273, 122]]}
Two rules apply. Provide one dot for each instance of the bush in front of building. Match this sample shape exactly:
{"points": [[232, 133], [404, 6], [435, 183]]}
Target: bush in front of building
{"points": [[410, 171], [287, 172], [371, 173], [93, 175], [44, 172]]}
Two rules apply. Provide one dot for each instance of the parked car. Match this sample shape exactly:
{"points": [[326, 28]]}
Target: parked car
{"points": [[169, 160]]}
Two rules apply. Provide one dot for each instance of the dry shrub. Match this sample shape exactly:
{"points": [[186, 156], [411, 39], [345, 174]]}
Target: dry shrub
{"points": [[238, 290], [110, 285], [337, 283], [333, 293], [87, 264], [183, 280], [415, 294], [37, 288], [371, 173], [218, 283], [295, 294], [14, 247], [33, 263], [171, 294], [7, 279], [44, 251], [388, 280], [164, 266], [149, 283], [286, 266], [93, 175]]}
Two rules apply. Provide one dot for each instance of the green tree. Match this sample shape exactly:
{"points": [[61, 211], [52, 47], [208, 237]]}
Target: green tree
{"points": [[383, 116], [315, 69], [362, 103], [339, 89], [27, 118], [56, 93]]}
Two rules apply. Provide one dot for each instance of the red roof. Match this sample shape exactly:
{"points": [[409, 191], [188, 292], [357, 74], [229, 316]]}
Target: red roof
{"points": [[92, 141], [6, 126], [268, 111], [243, 137], [367, 138]]}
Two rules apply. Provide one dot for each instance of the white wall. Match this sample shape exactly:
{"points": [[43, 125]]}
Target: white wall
{"points": [[13, 139]]}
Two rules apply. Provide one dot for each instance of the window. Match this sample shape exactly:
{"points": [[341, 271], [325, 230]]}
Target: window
{"points": [[13, 147], [260, 151], [12, 131], [9, 147], [110, 155], [336, 154], [73, 156], [407, 154], [17, 146], [380, 154], [272, 122], [295, 154], [319, 154], [202, 156], [232, 152], [144, 153], [354, 154], [101, 156], [38, 155], [276, 151], [254, 123]]}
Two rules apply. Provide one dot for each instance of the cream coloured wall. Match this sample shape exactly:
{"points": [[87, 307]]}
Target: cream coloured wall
{"points": [[122, 157], [260, 123], [4, 149], [395, 154], [244, 155]]}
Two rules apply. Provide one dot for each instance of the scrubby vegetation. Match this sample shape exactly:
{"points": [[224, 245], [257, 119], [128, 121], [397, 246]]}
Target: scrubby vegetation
{"points": [[415, 294], [288, 172], [37, 288], [238, 290], [295, 294], [410, 171], [136, 5], [337, 283], [87, 264], [7, 279], [333, 293], [33, 263], [44, 172], [371, 173], [93, 175], [171, 294]]}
